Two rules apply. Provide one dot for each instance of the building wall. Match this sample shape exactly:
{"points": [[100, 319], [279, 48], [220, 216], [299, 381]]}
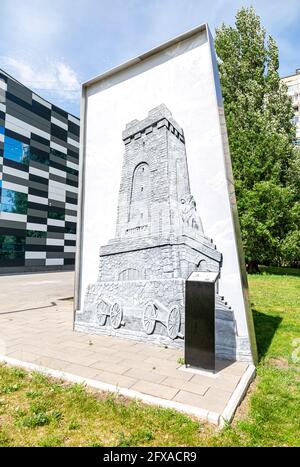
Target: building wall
{"points": [[39, 147], [293, 84]]}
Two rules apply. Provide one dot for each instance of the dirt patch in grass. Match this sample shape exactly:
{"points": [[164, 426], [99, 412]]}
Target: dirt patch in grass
{"points": [[280, 363]]}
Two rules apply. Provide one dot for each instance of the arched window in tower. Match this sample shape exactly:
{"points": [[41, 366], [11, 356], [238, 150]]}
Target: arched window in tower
{"points": [[140, 194]]}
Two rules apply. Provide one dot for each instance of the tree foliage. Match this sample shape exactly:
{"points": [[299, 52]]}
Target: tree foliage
{"points": [[261, 133]]}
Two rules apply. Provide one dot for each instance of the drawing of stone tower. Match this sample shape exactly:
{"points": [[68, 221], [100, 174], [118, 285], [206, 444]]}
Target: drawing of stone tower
{"points": [[159, 242]]}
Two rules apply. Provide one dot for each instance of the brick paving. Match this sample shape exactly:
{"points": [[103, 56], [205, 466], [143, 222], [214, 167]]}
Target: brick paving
{"points": [[44, 336]]}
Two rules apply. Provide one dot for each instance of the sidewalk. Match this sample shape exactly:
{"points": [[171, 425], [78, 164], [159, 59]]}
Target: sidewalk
{"points": [[24, 291], [42, 339]]}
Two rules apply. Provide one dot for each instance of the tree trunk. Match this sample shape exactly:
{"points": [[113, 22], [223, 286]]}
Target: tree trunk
{"points": [[252, 267]]}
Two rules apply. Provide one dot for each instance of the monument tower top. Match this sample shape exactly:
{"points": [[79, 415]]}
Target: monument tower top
{"points": [[155, 198], [159, 114]]}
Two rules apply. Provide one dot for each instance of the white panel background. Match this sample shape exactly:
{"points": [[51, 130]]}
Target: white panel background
{"points": [[182, 78]]}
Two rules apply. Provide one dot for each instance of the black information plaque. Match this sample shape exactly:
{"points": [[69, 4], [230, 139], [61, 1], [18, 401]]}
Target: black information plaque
{"points": [[199, 347]]}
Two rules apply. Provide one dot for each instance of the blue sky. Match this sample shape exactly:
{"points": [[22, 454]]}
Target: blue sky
{"points": [[54, 46]]}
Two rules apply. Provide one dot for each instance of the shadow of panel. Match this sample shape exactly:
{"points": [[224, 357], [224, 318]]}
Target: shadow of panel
{"points": [[280, 271], [265, 329]]}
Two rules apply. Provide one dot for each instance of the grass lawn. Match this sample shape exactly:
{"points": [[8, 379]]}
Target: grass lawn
{"points": [[37, 411]]}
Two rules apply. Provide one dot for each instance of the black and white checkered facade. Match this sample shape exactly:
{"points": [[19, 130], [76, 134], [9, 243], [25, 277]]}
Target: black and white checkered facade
{"points": [[39, 151]]}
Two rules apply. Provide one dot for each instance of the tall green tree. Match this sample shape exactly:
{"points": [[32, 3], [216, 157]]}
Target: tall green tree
{"points": [[261, 133]]}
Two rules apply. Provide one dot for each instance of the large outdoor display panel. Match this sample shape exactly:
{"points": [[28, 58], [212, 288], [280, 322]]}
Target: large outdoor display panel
{"points": [[157, 201]]}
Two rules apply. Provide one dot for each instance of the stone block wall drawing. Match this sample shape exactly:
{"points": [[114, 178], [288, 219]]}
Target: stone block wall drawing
{"points": [[159, 242]]}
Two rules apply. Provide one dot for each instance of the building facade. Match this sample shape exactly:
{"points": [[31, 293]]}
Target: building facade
{"points": [[39, 151], [293, 84]]}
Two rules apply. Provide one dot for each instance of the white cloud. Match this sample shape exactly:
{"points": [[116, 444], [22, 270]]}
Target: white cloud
{"points": [[54, 79], [33, 21], [95, 35]]}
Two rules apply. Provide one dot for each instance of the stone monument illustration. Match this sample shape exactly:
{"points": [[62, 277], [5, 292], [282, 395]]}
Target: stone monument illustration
{"points": [[159, 242]]}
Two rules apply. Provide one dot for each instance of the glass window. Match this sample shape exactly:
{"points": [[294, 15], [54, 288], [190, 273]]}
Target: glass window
{"points": [[40, 157], [58, 153], [1, 130], [11, 247], [56, 215], [16, 150], [13, 201], [70, 230], [69, 170], [36, 234]]}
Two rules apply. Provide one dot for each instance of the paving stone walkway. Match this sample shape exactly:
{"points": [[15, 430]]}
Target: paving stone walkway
{"points": [[24, 291], [44, 336]]}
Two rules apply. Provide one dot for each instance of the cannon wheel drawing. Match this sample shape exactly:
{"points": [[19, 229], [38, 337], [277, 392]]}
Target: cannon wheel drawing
{"points": [[173, 322], [101, 309], [149, 318], [105, 308], [116, 315], [170, 318]]}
